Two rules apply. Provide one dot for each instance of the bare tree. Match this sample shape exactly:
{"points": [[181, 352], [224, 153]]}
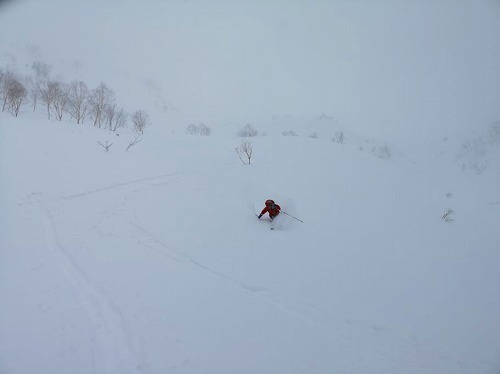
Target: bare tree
{"points": [[109, 115], [13, 93], [35, 92], [121, 119], [140, 119], [4, 77], [17, 94], [6, 81], [100, 98], [245, 151], [61, 100], [49, 92], [78, 101]]}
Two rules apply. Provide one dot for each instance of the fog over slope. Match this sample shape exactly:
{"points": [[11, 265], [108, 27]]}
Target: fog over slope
{"points": [[394, 69]]}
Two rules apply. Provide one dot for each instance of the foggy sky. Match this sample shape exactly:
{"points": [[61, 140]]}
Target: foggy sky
{"points": [[393, 66]]}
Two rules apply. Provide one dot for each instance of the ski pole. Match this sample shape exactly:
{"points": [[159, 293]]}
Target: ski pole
{"points": [[292, 216]]}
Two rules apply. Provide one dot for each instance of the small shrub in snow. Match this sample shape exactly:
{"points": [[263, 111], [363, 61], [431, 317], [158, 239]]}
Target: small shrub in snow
{"points": [[200, 129], [448, 215], [192, 129], [204, 129], [289, 133], [339, 137], [383, 152], [244, 151], [248, 131], [106, 145], [314, 135]]}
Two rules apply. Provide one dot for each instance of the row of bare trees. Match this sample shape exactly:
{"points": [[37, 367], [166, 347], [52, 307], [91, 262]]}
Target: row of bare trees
{"points": [[60, 99]]}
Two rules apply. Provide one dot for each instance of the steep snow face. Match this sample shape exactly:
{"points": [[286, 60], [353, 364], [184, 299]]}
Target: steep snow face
{"points": [[152, 260]]}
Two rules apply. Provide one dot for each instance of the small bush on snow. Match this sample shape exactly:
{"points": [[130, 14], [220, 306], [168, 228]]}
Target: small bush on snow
{"points": [[248, 131], [200, 129], [448, 215]]}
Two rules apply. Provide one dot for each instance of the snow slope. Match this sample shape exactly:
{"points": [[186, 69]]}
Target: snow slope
{"points": [[152, 260]]}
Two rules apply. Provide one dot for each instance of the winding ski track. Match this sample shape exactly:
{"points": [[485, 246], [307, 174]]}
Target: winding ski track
{"points": [[158, 246], [114, 353], [115, 348]]}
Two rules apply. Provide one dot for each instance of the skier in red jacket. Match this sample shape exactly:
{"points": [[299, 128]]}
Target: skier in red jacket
{"points": [[272, 208]]}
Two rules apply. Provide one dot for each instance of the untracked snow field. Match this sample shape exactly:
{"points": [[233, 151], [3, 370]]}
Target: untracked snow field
{"points": [[153, 261]]}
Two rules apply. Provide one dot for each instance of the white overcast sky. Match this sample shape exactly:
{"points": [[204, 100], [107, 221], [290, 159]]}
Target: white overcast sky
{"points": [[394, 66]]}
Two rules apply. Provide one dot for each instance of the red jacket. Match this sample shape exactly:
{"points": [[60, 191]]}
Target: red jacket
{"points": [[273, 210]]}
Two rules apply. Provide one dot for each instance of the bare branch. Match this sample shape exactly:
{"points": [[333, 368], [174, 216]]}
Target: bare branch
{"points": [[133, 142], [121, 119]]}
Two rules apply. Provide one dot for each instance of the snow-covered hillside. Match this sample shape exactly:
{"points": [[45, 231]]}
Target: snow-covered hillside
{"points": [[153, 261], [377, 126]]}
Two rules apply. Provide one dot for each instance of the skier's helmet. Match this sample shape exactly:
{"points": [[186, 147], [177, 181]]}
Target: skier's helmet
{"points": [[269, 202]]}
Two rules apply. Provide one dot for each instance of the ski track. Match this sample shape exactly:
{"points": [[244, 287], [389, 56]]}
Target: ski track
{"points": [[264, 294], [35, 197], [115, 342], [178, 256], [122, 184], [115, 353]]}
